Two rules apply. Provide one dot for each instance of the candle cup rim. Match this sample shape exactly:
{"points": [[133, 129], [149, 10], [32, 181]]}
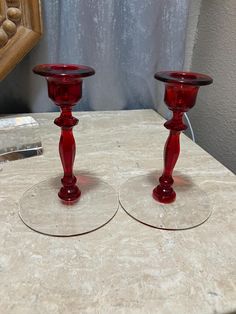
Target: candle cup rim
{"points": [[183, 78], [63, 70]]}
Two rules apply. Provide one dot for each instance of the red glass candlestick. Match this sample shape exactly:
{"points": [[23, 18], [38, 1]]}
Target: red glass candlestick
{"points": [[162, 209], [40, 207], [181, 90], [65, 89]]}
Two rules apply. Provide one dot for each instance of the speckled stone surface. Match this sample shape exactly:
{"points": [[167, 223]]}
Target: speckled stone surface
{"points": [[124, 267]]}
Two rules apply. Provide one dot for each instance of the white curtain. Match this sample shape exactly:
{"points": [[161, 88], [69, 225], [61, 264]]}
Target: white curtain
{"points": [[126, 41]]}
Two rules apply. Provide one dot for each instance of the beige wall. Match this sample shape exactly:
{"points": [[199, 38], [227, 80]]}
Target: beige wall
{"points": [[214, 116]]}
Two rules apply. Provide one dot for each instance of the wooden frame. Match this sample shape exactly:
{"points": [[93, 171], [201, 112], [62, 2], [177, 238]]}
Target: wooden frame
{"points": [[20, 30]]}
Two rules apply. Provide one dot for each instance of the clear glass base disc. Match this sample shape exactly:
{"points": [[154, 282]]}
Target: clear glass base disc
{"points": [[190, 209], [43, 211]]}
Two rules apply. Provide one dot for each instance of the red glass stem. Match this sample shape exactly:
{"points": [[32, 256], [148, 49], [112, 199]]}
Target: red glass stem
{"points": [[164, 192], [65, 90], [171, 153], [67, 150], [181, 90]]}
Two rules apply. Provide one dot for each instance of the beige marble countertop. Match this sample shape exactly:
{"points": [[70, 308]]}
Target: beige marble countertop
{"points": [[124, 267]]}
